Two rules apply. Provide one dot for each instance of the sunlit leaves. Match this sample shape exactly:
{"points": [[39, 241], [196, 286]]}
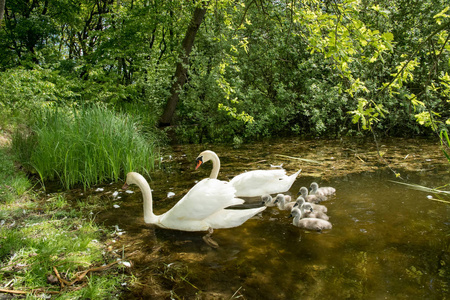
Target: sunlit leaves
{"points": [[442, 15], [426, 118], [357, 86], [232, 111], [367, 113]]}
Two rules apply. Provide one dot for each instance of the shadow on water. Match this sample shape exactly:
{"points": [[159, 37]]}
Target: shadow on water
{"points": [[388, 241]]}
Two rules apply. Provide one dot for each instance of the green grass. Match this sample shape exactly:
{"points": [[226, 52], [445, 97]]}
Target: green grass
{"points": [[84, 146], [39, 232], [11, 184]]}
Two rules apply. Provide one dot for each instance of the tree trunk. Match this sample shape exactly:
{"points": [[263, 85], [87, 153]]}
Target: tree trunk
{"points": [[180, 73], [2, 10]]}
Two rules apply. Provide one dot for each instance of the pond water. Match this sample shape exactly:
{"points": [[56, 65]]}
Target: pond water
{"points": [[388, 241]]}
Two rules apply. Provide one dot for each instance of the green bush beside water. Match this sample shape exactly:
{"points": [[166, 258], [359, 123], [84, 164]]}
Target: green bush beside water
{"points": [[84, 146]]}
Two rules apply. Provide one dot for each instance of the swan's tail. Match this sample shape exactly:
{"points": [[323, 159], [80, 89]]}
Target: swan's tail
{"points": [[229, 218], [289, 180]]}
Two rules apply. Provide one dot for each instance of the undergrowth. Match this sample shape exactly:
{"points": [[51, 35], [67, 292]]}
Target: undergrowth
{"points": [[87, 146], [46, 240]]}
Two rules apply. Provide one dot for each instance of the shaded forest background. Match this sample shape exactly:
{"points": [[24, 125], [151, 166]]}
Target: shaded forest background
{"points": [[234, 71]]}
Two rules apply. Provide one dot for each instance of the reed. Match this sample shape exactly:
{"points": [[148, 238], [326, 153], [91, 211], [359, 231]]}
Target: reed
{"points": [[87, 146]]}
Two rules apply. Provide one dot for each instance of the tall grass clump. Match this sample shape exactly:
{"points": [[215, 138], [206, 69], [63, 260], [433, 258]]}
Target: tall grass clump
{"points": [[87, 146]]}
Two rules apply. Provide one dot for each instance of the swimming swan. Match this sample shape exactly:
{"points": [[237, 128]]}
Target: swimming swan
{"points": [[308, 223], [324, 191], [201, 209], [267, 200], [311, 198], [317, 207], [252, 183], [309, 212], [284, 202]]}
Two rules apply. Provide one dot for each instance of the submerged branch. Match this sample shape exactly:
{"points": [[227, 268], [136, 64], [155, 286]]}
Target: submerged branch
{"points": [[298, 158], [423, 188]]}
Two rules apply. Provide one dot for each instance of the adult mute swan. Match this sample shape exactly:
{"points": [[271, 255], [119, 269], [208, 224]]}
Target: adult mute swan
{"points": [[201, 209], [251, 183], [308, 223], [321, 191]]}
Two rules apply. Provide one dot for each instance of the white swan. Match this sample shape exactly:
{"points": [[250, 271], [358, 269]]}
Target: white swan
{"points": [[252, 183], [308, 223], [311, 198], [317, 207], [322, 191], [201, 209]]}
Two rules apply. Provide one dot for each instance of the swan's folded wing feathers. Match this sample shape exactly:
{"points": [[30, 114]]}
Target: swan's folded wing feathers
{"points": [[258, 177], [258, 182], [229, 218], [204, 199]]}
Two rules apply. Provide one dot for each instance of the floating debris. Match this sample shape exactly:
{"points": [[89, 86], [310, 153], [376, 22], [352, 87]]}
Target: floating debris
{"points": [[170, 194], [276, 166], [115, 194], [126, 264], [129, 192], [99, 190], [116, 206], [116, 227]]}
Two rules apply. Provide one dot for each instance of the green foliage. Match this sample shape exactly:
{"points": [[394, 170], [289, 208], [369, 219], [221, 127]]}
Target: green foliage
{"points": [[87, 145], [11, 185], [27, 90], [29, 253], [445, 143], [39, 234], [258, 69]]}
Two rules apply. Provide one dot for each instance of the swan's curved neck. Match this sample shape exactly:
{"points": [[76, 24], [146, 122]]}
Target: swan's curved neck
{"points": [[297, 218], [149, 216], [216, 165], [282, 203]]}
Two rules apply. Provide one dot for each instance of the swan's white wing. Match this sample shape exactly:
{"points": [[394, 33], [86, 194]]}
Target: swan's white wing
{"points": [[229, 218], [204, 199], [259, 182]]}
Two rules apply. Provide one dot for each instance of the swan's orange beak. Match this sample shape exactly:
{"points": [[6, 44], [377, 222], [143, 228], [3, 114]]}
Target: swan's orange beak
{"points": [[125, 186], [199, 162]]}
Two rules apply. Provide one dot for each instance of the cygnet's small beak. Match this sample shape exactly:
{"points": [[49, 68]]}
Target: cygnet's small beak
{"points": [[125, 186], [298, 193], [290, 215], [296, 204]]}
